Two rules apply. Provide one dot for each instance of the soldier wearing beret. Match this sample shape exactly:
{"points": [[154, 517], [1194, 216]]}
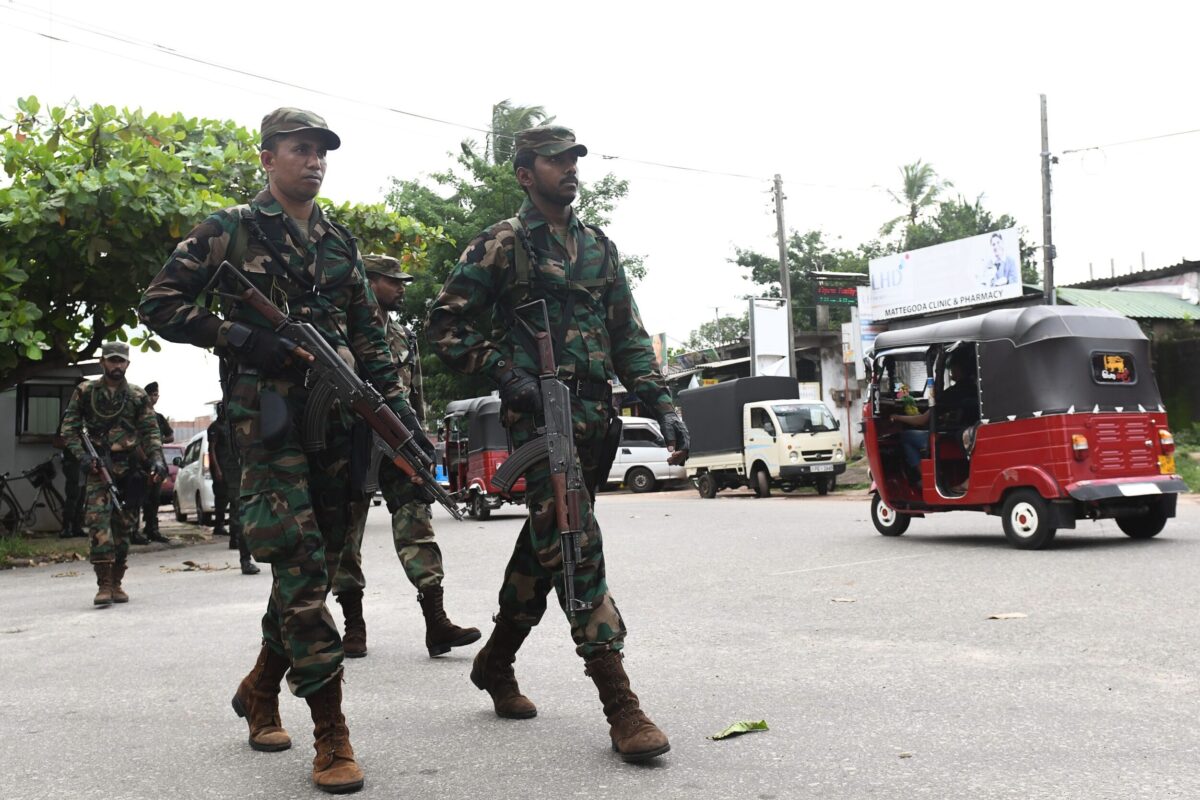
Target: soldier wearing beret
{"points": [[118, 419], [294, 504], [412, 525], [546, 252]]}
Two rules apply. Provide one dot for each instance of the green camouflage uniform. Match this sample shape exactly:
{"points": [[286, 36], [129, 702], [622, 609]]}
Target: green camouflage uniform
{"points": [[605, 337], [295, 505], [123, 427], [412, 523], [225, 491]]}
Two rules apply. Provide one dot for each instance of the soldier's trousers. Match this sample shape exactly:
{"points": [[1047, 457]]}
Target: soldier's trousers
{"points": [[295, 515], [227, 505], [412, 536], [108, 528], [536, 566], [72, 493]]}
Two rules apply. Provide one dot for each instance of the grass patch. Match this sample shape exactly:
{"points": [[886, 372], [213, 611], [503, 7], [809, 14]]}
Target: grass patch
{"points": [[1187, 467], [15, 547]]}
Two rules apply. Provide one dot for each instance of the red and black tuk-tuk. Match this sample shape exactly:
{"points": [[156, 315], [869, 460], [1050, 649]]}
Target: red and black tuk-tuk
{"points": [[476, 445], [1068, 424]]}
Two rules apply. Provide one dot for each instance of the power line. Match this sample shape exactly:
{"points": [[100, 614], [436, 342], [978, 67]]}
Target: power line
{"points": [[1131, 141]]}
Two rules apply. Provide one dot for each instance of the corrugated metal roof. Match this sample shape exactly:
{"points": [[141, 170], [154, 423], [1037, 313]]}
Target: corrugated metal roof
{"points": [[1132, 304]]}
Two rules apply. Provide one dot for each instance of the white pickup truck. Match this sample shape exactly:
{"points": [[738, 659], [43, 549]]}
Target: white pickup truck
{"points": [[756, 432]]}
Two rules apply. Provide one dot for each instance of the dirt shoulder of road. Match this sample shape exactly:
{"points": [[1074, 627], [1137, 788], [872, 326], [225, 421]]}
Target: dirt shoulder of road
{"points": [[46, 548]]}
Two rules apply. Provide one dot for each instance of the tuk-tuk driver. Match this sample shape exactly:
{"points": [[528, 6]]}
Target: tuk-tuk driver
{"points": [[961, 401]]}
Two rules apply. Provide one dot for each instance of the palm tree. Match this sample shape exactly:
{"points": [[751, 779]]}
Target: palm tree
{"points": [[921, 190], [507, 119]]}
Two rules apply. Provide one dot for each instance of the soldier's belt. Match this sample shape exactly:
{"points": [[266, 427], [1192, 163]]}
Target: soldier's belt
{"points": [[598, 391]]}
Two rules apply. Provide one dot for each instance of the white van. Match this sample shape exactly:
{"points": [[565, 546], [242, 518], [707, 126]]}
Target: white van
{"points": [[193, 483], [641, 460]]}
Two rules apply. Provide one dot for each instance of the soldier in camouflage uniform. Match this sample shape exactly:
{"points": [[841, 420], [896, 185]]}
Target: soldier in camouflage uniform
{"points": [[150, 531], [119, 419], [546, 252], [295, 504], [412, 525], [227, 482]]}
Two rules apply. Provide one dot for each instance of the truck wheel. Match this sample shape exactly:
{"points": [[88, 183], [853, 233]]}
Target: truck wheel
{"points": [[1145, 526], [762, 483], [1028, 523], [706, 485], [479, 509], [824, 485], [640, 480], [886, 520]]}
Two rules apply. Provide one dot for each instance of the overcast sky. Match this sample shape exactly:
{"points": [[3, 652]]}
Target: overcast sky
{"points": [[832, 97]]}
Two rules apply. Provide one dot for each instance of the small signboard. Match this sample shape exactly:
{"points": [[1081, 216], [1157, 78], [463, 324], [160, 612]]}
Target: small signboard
{"points": [[833, 295]]}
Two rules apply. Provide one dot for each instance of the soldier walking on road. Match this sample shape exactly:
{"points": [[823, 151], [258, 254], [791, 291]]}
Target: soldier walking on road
{"points": [[150, 531], [295, 504], [412, 524], [227, 482], [547, 253], [118, 418]]}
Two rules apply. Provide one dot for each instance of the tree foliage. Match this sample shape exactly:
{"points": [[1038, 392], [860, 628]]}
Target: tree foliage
{"points": [[476, 191], [96, 200], [920, 190], [721, 331]]}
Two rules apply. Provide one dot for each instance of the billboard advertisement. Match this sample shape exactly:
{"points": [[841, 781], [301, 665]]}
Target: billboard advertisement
{"points": [[967, 272], [769, 350]]}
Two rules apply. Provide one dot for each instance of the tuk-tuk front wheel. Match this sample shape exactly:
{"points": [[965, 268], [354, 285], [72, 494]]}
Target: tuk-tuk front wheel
{"points": [[1144, 526], [886, 520], [1028, 520], [479, 509]]}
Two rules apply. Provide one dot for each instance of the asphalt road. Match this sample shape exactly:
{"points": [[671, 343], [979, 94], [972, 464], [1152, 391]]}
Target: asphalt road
{"points": [[872, 660]]}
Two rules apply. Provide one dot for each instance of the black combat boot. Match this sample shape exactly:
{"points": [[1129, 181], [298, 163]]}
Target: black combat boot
{"points": [[236, 539], [152, 531], [440, 633], [354, 642]]}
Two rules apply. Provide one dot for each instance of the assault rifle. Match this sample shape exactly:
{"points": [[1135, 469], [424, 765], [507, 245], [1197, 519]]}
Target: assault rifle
{"points": [[101, 465], [329, 378], [555, 445]]}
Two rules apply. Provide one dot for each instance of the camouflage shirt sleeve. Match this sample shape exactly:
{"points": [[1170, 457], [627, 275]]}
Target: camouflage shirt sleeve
{"points": [[168, 305], [467, 298], [72, 424], [632, 354]]}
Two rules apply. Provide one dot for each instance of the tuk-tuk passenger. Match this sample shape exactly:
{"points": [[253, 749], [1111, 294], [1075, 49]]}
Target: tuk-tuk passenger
{"points": [[960, 403]]}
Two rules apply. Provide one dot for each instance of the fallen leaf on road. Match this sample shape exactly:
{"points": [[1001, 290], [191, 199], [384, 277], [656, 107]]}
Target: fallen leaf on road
{"points": [[738, 728], [843, 600], [71, 574], [1008, 615], [906, 755], [192, 566]]}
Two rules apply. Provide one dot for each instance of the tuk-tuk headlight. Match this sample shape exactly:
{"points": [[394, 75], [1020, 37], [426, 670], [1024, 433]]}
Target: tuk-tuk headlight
{"points": [[838, 455], [793, 456], [1166, 440], [1079, 444]]}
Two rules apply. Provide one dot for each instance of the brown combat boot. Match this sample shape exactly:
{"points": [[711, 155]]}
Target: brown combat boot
{"points": [[334, 768], [354, 642], [492, 671], [633, 735], [118, 594], [257, 699], [104, 573], [440, 633]]}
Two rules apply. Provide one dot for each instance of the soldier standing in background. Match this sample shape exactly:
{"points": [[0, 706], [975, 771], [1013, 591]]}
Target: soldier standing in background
{"points": [[227, 481], [412, 525], [547, 253], [118, 418], [295, 504], [150, 507], [73, 479]]}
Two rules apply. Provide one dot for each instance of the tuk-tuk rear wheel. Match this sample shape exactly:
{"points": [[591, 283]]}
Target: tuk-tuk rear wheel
{"points": [[479, 509], [886, 520], [1145, 526], [1028, 520]]}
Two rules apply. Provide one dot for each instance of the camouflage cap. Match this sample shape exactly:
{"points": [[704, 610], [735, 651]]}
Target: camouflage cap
{"points": [[294, 120], [547, 140], [114, 350], [387, 266]]}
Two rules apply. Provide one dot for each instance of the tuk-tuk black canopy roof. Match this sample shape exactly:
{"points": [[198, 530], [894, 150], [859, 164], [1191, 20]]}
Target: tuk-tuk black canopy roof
{"points": [[1040, 360], [1021, 326]]}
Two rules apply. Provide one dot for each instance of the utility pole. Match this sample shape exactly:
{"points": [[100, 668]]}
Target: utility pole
{"points": [[784, 277], [1047, 238]]}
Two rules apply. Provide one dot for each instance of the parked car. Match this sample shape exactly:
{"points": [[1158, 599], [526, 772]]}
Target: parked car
{"points": [[193, 483], [166, 490], [641, 460]]}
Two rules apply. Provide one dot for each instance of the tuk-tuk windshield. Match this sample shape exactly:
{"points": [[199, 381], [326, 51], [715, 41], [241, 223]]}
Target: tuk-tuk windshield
{"points": [[804, 418]]}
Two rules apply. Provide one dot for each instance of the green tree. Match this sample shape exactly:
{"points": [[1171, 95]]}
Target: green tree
{"points": [[476, 191], [721, 331], [807, 253], [97, 199], [920, 190], [507, 119]]}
